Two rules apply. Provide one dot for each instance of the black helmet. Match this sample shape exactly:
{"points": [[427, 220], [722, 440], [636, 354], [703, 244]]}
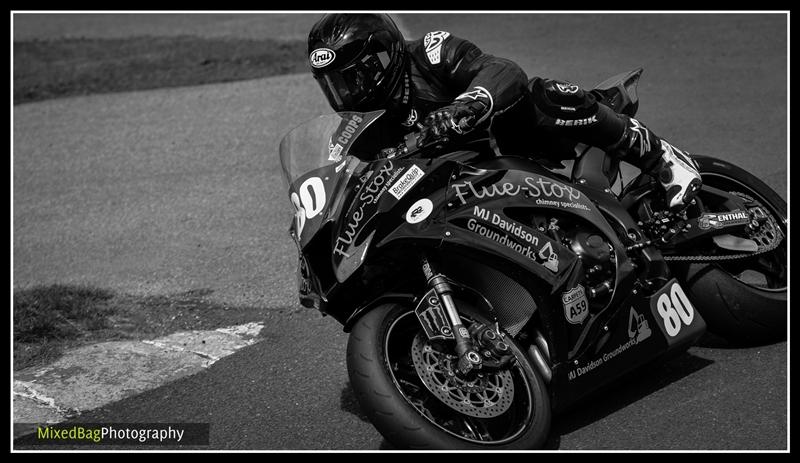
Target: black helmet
{"points": [[357, 59]]}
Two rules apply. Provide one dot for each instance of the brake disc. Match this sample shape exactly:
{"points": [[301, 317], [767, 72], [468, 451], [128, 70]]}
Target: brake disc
{"points": [[485, 397]]}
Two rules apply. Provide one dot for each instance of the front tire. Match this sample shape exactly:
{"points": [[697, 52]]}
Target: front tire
{"points": [[378, 357]]}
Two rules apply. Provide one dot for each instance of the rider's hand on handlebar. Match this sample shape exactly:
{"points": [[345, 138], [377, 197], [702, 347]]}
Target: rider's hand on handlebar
{"points": [[456, 118]]}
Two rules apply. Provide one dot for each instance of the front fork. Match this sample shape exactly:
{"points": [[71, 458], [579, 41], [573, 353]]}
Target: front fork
{"points": [[468, 357]]}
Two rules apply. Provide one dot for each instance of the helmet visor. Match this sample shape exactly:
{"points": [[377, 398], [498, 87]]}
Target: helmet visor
{"points": [[357, 85]]}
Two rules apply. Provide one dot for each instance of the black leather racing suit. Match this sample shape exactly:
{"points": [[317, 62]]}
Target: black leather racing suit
{"points": [[542, 118]]}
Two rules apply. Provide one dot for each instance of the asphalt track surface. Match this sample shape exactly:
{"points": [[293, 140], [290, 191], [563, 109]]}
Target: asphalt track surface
{"points": [[165, 191]]}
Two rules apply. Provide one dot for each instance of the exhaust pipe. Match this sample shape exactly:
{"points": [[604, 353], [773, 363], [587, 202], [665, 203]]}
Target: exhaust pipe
{"points": [[540, 354], [542, 344], [538, 360]]}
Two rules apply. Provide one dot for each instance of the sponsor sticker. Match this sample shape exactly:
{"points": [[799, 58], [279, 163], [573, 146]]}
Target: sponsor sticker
{"points": [[544, 191], [505, 225], [348, 130], [638, 331], [576, 122], [335, 152], [719, 220], [321, 57], [576, 307], [507, 235], [370, 194], [406, 182], [550, 257], [502, 239], [433, 319], [433, 45], [637, 326], [419, 211]]}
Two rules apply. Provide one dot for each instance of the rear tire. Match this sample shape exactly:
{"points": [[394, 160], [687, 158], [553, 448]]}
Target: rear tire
{"points": [[400, 422], [741, 313]]}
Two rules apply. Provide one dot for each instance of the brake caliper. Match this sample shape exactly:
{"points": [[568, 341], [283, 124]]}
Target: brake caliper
{"points": [[489, 342]]}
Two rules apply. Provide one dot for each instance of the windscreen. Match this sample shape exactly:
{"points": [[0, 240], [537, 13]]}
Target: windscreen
{"points": [[317, 168]]}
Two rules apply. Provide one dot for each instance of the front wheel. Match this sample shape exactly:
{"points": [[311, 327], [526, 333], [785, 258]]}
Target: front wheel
{"points": [[406, 386], [743, 300]]}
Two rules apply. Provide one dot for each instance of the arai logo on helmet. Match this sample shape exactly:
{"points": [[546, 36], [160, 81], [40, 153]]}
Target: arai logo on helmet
{"points": [[321, 57]]}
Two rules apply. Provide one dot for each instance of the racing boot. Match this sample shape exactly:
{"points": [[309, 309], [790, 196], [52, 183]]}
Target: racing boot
{"points": [[675, 170], [678, 174]]}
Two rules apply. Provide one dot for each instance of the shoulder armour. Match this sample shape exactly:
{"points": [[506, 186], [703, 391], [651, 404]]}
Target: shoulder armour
{"points": [[433, 42]]}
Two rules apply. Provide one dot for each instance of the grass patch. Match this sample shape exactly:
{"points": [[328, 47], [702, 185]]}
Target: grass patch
{"points": [[50, 319], [59, 312], [45, 69]]}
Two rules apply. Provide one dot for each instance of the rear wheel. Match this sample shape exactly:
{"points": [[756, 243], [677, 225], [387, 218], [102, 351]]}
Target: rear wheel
{"points": [[406, 387], [743, 300]]}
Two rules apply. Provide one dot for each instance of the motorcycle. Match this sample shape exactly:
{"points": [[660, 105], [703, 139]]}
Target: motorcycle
{"points": [[485, 293]]}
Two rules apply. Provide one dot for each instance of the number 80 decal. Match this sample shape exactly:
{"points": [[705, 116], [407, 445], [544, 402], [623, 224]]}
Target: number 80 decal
{"points": [[309, 203], [675, 309]]}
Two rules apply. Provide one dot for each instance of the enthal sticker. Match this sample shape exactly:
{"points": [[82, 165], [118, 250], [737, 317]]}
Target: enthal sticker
{"points": [[419, 211], [675, 309], [576, 307], [433, 45], [321, 57], [406, 182], [719, 220]]}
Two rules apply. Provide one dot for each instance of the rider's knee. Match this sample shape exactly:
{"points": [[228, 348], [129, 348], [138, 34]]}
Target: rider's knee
{"points": [[575, 113], [562, 104]]}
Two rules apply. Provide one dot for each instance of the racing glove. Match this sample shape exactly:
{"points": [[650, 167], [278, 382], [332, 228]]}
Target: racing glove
{"points": [[461, 116]]}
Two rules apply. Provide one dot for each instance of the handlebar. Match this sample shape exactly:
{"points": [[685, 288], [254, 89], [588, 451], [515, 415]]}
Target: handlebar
{"points": [[416, 141]]}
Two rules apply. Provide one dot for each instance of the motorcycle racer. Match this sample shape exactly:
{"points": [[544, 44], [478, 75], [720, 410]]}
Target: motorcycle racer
{"points": [[446, 86]]}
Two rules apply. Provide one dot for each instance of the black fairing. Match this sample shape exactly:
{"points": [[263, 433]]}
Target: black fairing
{"points": [[500, 227], [473, 207]]}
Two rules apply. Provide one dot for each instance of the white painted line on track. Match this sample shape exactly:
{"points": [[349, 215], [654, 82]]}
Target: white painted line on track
{"points": [[92, 376]]}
